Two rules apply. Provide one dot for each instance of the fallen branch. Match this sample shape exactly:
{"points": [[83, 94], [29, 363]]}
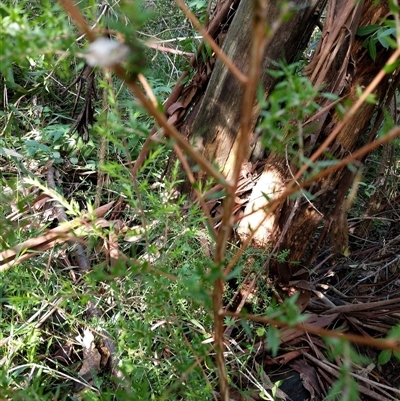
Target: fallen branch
{"points": [[31, 247]]}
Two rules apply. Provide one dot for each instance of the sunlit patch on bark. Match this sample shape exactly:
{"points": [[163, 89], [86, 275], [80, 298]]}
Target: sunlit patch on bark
{"points": [[269, 186]]}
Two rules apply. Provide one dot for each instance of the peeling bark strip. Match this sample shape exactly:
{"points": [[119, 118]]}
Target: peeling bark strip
{"points": [[218, 120], [28, 249], [341, 65]]}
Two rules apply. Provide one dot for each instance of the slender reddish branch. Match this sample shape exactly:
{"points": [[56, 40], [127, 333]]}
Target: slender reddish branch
{"points": [[74, 12], [294, 187], [392, 344], [259, 41], [371, 87], [220, 54]]}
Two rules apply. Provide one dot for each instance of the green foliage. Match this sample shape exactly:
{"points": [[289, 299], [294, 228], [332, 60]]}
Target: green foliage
{"points": [[385, 35], [345, 388], [56, 143], [287, 312], [155, 301], [199, 8], [150, 315], [291, 101], [386, 355], [24, 31]]}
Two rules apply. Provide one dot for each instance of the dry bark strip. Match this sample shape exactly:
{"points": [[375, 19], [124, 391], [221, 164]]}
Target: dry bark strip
{"points": [[78, 252], [364, 389], [369, 306], [217, 122], [342, 65], [31, 247]]}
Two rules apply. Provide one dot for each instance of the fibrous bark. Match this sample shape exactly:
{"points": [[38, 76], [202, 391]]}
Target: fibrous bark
{"points": [[217, 122], [341, 65]]}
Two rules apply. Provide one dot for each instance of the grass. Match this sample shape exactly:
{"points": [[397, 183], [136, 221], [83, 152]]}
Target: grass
{"points": [[158, 325], [150, 308]]}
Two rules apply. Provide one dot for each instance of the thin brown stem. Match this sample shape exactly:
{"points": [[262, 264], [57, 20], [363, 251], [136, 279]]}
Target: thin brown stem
{"points": [[371, 87], [220, 54], [256, 54], [293, 188], [372, 342]]}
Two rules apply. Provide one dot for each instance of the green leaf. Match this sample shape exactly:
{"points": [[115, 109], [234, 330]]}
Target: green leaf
{"points": [[389, 23], [397, 355], [394, 7], [371, 99], [386, 32], [386, 37], [367, 30], [389, 68], [273, 340], [389, 41], [234, 273], [372, 49], [260, 331], [275, 73], [246, 328], [330, 96], [197, 4], [198, 325], [365, 43], [384, 356], [210, 231], [383, 42], [217, 195], [229, 321]]}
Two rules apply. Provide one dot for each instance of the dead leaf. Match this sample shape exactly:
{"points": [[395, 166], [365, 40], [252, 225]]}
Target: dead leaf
{"points": [[308, 377], [290, 334]]}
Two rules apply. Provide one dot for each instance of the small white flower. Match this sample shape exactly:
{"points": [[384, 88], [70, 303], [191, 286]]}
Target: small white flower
{"points": [[104, 52], [87, 340]]}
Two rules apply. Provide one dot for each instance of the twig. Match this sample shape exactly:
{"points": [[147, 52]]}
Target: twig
{"points": [[293, 188], [164, 49], [361, 307], [78, 252], [333, 370], [102, 152], [391, 344], [28, 249], [224, 58], [353, 109]]}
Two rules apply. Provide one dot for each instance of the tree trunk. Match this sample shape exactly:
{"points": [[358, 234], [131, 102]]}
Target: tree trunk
{"points": [[341, 65], [217, 121]]}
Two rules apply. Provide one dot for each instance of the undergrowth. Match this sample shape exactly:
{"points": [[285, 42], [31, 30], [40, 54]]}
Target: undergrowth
{"points": [[149, 296]]}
